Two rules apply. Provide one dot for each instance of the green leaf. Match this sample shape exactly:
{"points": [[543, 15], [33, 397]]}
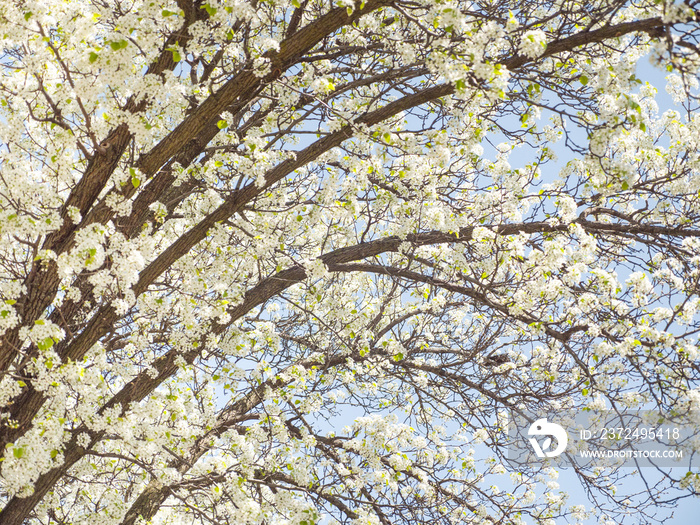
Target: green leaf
{"points": [[176, 55], [28, 15], [296, 3], [93, 57], [211, 10], [625, 185], [18, 452], [135, 181], [584, 391], [222, 124], [167, 13], [45, 344], [116, 46], [583, 79]]}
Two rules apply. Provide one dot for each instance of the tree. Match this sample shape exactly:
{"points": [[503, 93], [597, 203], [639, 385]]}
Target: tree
{"points": [[277, 260]]}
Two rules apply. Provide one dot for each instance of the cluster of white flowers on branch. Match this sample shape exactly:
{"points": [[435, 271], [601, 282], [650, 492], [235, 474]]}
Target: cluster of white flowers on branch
{"points": [[261, 261]]}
